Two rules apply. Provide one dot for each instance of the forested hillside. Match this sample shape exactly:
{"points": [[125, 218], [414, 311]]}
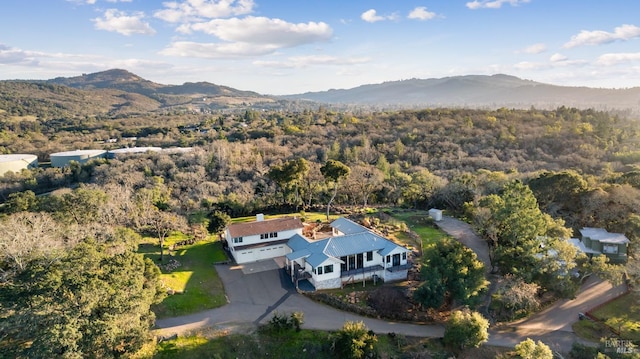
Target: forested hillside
{"points": [[556, 167]]}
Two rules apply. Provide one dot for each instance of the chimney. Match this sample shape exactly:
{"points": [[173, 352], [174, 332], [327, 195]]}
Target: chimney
{"points": [[259, 217]]}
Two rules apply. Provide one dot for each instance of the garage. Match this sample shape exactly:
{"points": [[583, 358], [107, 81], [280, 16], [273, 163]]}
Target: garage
{"points": [[260, 253]]}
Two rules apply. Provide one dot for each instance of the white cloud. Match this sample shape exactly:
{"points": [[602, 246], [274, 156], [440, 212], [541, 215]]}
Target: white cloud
{"points": [[372, 16], [217, 50], [597, 37], [9, 55], [558, 58], [493, 4], [421, 13], [265, 31], [306, 61], [82, 2], [197, 10], [618, 58], [535, 49], [118, 21]]}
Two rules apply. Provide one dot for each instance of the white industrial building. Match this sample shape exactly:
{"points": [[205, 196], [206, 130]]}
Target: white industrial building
{"points": [[62, 159], [17, 162], [131, 150]]}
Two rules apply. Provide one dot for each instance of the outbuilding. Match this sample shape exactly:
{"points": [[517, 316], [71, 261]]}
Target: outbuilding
{"points": [[17, 162], [131, 150], [62, 159], [436, 214]]}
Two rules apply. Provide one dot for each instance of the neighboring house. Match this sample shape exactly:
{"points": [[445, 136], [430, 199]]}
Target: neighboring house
{"points": [[354, 253], [262, 239], [598, 241]]}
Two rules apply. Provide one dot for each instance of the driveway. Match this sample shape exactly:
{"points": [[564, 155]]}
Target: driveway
{"points": [[553, 325], [253, 298], [463, 232], [255, 292]]}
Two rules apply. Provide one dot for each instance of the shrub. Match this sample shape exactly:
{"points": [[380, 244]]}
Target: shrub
{"points": [[528, 349], [355, 341], [282, 322], [466, 329]]}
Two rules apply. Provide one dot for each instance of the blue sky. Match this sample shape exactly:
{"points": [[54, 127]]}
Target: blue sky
{"points": [[293, 46]]}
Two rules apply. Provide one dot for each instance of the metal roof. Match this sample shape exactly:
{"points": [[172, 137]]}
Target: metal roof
{"points": [[317, 252], [17, 157], [347, 226], [346, 245], [601, 235], [298, 242], [79, 153]]}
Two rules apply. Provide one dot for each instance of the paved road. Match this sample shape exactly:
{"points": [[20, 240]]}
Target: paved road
{"points": [[552, 325], [253, 298], [463, 232]]}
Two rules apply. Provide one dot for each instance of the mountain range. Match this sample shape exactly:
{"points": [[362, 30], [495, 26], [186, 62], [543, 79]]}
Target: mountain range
{"points": [[118, 91]]}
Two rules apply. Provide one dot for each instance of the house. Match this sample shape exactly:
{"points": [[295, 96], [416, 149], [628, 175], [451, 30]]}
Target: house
{"points": [[596, 241], [261, 239], [353, 254]]}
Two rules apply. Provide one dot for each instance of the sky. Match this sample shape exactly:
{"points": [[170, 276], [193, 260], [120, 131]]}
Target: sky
{"points": [[293, 46]]}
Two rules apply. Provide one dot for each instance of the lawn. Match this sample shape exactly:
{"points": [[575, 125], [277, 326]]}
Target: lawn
{"points": [[189, 273], [308, 217], [623, 315], [304, 344], [418, 222]]}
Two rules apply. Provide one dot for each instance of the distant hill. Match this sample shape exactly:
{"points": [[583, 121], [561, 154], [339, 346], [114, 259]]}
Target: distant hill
{"points": [[477, 91], [119, 92], [197, 94]]}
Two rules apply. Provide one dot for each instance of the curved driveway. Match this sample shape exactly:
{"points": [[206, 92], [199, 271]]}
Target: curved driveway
{"points": [[253, 298], [553, 325]]}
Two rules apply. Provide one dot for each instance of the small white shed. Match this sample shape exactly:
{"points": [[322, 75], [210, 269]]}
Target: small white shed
{"points": [[436, 214]]}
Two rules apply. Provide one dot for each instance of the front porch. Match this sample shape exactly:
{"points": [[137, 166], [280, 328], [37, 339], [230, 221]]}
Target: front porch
{"points": [[363, 270]]}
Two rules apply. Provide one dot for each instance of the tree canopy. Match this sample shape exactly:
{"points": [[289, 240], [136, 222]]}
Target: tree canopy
{"points": [[94, 301], [450, 271]]}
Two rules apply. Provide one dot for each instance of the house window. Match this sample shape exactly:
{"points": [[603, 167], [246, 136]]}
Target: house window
{"points": [[319, 270], [273, 235], [388, 259], [264, 235], [404, 256], [610, 248], [328, 268], [369, 256], [237, 240], [352, 262]]}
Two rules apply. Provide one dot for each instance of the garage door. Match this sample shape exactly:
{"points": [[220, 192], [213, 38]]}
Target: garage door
{"points": [[258, 254]]}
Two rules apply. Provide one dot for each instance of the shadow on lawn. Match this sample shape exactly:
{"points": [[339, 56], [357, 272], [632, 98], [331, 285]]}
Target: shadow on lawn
{"points": [[189, 277]]}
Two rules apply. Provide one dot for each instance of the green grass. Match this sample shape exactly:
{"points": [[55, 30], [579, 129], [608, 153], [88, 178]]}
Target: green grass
{"points": [[195, 278], [623, 315], [418, 222], [590, 330], [309, 217], [304, 344]]}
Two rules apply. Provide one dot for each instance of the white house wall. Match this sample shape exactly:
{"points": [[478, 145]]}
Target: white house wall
{"points": [[255, 239], [260, 253], [245, 255]]}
